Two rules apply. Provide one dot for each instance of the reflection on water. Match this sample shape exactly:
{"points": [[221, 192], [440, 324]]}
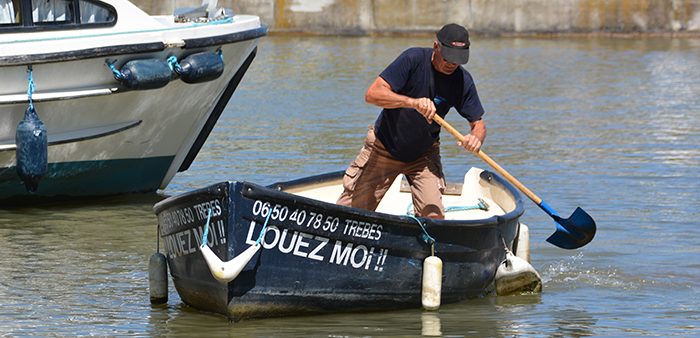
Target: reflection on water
{"points": [[610, 125], [430, 324], [75, 268]]}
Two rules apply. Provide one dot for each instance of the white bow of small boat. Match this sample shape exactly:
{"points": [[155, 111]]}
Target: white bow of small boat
{"points": [[227, 271]]}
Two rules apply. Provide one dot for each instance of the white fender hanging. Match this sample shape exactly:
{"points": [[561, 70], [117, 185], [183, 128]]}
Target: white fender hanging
{"points": [[227, 271], [516, 275], [432, 283]]}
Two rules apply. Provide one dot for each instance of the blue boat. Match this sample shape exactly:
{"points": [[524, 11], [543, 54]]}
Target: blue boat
{"points": [[299, 253]]}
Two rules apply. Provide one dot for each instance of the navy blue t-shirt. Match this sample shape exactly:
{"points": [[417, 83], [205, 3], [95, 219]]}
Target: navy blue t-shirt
{"points": [[405, 133]]}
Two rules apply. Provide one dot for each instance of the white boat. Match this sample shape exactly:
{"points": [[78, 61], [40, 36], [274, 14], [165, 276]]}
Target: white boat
{"points": [[116, 121]]}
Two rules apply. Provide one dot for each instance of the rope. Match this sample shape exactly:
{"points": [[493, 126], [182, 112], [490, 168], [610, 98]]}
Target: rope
{"points": [[481, 206], [175, 66], [504, 244], [425, 237], [30, 90], [206, 229], [430, 240], [172, 62], [158, 239], [117, 74], [262, 232]]}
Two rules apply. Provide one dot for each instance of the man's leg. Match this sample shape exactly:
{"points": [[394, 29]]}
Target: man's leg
{"points": [[369, 176], [427, 183]]}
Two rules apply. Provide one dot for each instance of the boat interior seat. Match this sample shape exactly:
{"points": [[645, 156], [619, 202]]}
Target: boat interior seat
{"points": [[457, 199], [471, 193]]}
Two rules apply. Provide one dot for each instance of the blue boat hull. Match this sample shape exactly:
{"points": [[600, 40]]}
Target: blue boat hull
{"points": [[319, 257]]}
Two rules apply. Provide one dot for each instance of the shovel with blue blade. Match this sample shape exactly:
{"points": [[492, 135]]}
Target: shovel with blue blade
{"points": [[572, 233]]}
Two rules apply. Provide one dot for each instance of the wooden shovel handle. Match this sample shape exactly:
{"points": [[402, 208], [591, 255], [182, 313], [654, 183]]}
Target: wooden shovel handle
{"points": [[489, 161]]}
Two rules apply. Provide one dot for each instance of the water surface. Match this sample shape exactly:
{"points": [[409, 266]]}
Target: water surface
{"points": [[610, 125]]}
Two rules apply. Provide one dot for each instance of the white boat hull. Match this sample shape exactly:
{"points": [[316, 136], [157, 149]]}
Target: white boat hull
{"points": [[103, 138]]}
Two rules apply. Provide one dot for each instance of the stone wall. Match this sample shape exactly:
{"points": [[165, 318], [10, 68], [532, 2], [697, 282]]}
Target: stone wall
{"points": [[360, 17]]}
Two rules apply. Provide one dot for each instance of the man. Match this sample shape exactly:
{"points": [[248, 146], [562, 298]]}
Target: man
{"points": [[421, 82]]}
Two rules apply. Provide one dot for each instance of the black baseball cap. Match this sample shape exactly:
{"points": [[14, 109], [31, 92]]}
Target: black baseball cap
{"points": [[455, 43]]}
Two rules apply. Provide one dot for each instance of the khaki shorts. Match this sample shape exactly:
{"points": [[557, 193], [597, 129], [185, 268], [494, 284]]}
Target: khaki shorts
{"points": [[374, 170]]}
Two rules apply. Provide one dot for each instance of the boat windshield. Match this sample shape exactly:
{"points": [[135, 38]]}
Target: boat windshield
{"points": [[54, 14]]}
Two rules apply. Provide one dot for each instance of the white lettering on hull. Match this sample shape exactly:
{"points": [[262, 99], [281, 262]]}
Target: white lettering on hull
{"points": [[318, 221], [296, 243], [188, 241], [185, 216], [314, 247]]}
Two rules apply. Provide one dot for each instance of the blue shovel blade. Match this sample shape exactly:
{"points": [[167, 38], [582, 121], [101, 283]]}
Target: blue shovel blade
{"points": [[573, 232]]}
